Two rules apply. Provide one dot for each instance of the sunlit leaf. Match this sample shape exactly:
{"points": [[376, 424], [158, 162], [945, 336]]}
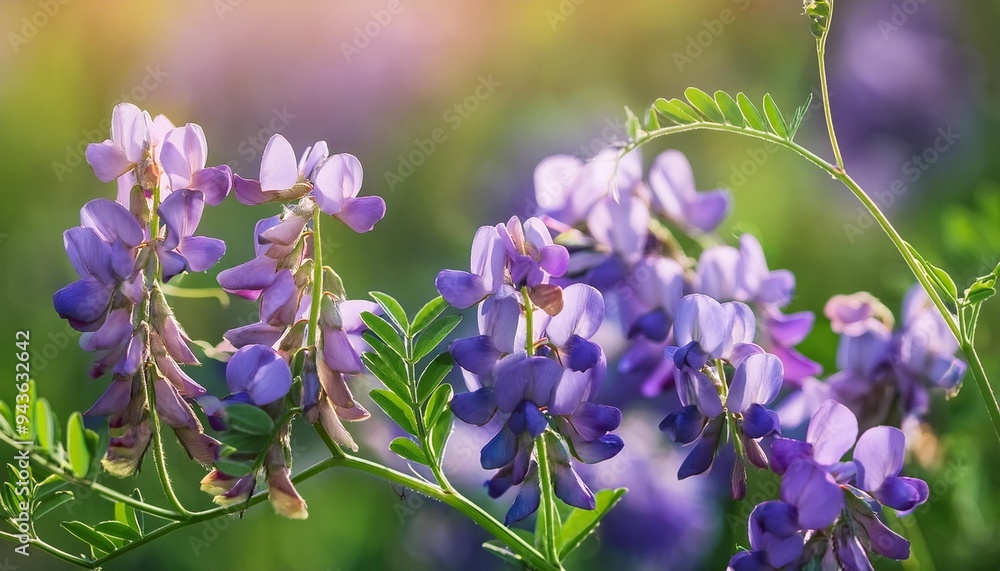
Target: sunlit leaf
{"points": [[392, 309], [408, 449], [396, 409]]}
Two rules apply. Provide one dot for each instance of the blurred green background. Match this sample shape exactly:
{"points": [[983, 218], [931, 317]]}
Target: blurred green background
{"points": [[376, 78]]}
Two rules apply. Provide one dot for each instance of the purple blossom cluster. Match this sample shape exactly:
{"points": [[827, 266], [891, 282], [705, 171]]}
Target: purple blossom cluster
{"points": [[830, 511], [533, 363], [281, 278], [124, 251], [121, 257]]}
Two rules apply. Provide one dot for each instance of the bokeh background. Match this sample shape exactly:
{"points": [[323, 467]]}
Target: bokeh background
{"points": [[376, 78]]}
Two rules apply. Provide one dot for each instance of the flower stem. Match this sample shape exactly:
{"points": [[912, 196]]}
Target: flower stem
{"points": [[548, 514], [317, 290], [529, 318], [821, 61]]}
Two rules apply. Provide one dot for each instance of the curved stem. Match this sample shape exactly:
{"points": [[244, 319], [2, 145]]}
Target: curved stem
{"points": [[915, 265], [547, 514], [821, 59]]}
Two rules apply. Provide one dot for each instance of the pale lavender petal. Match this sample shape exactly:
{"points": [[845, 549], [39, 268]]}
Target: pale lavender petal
{"points": [[361, 214], [201, 252], [129, 129], [338, 353], [717, 272], [789, 330], [812, 490], [112, 221], [757, 381], [554, 177], [707, 210], [338, 178], [258, 333], [582, 314], [622, 226], [832, 431], [312, 157], [108, 160], [249, 191], [350, 314], [213, 182], [460, 289], [487, 259], [89, 255], [249, 278], [743, 327], [879, 455], [672, 182], [700, 318], [278, 167]]}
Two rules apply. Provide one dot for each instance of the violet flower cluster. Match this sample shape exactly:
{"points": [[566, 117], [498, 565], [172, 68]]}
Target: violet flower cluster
{"points": [[282, 277], [533, 363], [121, 253], [830, 511]]}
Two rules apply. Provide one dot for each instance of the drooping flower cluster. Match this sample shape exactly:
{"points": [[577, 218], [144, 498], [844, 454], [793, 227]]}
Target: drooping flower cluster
{"points": [[121, 253], [622, 235], [711, 335], [886, 374], [282, 277], [533, 363], [830, 511]]}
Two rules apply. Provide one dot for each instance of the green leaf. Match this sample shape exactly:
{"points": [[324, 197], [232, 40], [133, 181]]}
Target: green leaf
{"points": [[753, 117], [434, 335], [438, 403], [397, 410], [408, 449], [650, 121], [686, 109], [244, 442], [943, 281], [45, 425], [6, 419], [440, 432], [248, 419], [89, 535], [386, 374], [76, 445], [979, 292], [117, 529], [385, 332], [333, 283], [433, 374], [800, 114], [671, 111], [126, 514], [704, 103], [582, 523], [729, 108], [774, 117], [389, 356], [234, 468], [632, 124], [392, 309], [43, 507], [427, 314]]}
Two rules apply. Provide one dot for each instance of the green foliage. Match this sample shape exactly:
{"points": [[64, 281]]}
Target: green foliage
{"points": [[701, 109], [581, 523], [419, 404]]}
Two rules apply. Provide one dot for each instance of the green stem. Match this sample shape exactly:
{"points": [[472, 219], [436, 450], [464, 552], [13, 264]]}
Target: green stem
{"points": [[983, 383], [821, 59], [547, 512], [450, 497], [102, 490], [317, 290], [529, 318]]}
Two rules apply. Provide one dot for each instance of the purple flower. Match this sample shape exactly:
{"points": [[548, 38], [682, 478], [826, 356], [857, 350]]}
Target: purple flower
{"points": [[672, 183], [465, 289], [775, 540], [181, 250], [257, 375], [183, 155], [334, 181], [102, 253], [129, 140], [879, 459]]}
